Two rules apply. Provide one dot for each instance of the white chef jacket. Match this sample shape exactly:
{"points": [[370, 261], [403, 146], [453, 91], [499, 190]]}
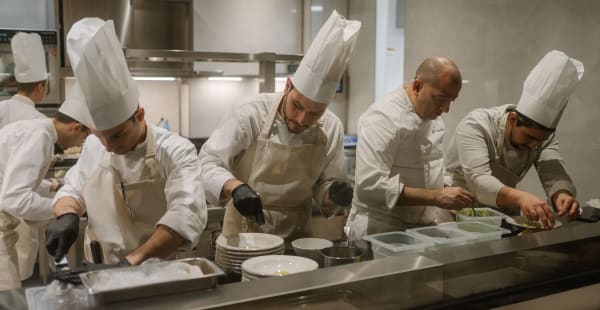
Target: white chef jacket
{"points": [[177, 165], [26, 150], [18, 108], [395, 148], [21, 108], [474, 146], [242, 126]]}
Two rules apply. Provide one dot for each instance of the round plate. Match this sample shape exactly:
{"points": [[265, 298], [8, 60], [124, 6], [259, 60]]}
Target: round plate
{"points": [[278, 265], [250, 242], [249, 254], [523, 222]]}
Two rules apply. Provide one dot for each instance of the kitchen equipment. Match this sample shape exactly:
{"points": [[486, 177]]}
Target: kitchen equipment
{"points": [[486, 215], [339, 255], [397, 243], [311, 247], [275, 266], [232, 251], [482, 231], [205, 278], [441, 236]]}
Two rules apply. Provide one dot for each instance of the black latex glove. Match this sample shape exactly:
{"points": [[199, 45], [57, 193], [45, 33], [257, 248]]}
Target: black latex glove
{"points": [[341, 193], [61, 234], [247, 202], [72, 275]]}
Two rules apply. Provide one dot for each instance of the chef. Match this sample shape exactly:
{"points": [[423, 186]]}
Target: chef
{"points": [[30, 73], [139, 184], [493, 149], [26, 151], [274, 153], [31, 76], [399, 160]]}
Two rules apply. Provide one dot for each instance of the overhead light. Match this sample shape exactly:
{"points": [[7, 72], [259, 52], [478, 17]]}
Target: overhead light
{"points": [[466, 81], [225, 78], [281, 79], [154, 78], [316, 8]]}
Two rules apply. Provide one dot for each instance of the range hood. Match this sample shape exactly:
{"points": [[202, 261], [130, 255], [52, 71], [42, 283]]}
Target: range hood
{"points": [[145, 25]]}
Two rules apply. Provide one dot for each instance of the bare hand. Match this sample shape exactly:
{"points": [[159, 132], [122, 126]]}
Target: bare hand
{"points": [[566, 204], [454, 198], [535, 209]]}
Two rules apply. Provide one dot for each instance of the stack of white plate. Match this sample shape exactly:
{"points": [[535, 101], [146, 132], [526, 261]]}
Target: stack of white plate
{"points": [[231, 252], [275, 266]]}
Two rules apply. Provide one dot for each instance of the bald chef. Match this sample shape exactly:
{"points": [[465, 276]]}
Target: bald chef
{"points": [[139, 184], [287, 147], [493, 149]]}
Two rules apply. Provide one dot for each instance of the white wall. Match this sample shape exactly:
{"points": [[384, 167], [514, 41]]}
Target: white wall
{"points": [[389, 49], [496, 43]]}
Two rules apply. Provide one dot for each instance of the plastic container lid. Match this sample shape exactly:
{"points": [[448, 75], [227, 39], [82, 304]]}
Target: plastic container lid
{"points": [[396, 243], [486, 215], [482, 231], [442, 236]]}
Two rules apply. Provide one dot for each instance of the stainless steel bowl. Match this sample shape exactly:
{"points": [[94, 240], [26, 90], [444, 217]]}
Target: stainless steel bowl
{"points": [[339, 255]]}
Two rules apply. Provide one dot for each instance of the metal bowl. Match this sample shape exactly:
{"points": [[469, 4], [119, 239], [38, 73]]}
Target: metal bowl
{"points": [[339, 255]]}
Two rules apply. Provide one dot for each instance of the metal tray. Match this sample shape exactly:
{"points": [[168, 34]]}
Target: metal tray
{"points": [[208, 280]]}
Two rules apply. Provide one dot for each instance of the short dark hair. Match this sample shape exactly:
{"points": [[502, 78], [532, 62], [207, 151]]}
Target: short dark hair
{"points": [[523, 120], [65, 119], [29, 87]]}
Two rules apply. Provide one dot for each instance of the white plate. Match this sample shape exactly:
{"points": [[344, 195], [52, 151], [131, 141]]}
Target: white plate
{"points": [[250, 242], [278, 265], [249, 254], [521, 221]]}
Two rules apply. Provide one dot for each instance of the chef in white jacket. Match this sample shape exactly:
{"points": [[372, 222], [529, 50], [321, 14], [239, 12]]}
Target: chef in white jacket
{"points": [[399, 176], [139, 184], [493, 149], [31, 77], [26, 151], [30, 73], [274, 153]]}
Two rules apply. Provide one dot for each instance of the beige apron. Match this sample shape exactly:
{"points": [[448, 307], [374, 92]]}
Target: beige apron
{"points": [[501, 172], [122, 215], [27, 248], [9, 263], [284, 176]]}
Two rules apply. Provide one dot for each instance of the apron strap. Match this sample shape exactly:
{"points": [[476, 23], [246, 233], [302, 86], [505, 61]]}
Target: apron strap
{"points": [[266, 129], [531, 154]]}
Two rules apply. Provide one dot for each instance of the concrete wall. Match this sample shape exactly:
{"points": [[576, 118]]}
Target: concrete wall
{"points": [[496, 43]]}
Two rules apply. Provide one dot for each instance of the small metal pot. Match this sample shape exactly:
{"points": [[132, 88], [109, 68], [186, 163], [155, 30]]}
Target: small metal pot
{"points": [[339, 255]]}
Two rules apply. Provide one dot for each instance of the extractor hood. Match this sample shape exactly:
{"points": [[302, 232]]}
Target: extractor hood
{"points": [[145, 25]]}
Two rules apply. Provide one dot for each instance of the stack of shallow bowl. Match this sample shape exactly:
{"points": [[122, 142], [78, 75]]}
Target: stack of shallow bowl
{"points": [[232, 251], [275, 266]]}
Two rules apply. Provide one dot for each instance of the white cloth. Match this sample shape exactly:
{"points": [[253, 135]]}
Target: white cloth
{"points": [[323, 65], [111, 95], [242, 126], [29, 56], [548, 87], [474, 149], [26, 149], [177, 166], [395, 148], [284, 175]]}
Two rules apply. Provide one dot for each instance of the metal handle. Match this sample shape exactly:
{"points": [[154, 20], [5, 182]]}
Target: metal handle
{"points": [[96, 249]]}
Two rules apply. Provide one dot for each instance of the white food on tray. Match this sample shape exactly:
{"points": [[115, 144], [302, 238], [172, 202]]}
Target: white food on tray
{"points": [[112, 279]]}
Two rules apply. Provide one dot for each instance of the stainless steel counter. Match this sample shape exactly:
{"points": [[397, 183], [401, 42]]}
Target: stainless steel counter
{"points": [[435, 279]]}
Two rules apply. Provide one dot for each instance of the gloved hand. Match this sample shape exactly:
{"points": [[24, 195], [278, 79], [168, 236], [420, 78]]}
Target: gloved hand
{"points": [[61, 234], [341, 193], [247, 202]]}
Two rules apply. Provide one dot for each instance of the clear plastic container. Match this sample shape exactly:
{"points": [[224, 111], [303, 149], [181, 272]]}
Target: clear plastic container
{"points": [[482, 231], [396, 243], [486, 215], [442, 236]]}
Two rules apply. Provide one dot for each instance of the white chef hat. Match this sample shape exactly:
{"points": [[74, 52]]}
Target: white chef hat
{"points": [[548, 87], [29, 56], [74, 106], [324, 63], [99, 65]]}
